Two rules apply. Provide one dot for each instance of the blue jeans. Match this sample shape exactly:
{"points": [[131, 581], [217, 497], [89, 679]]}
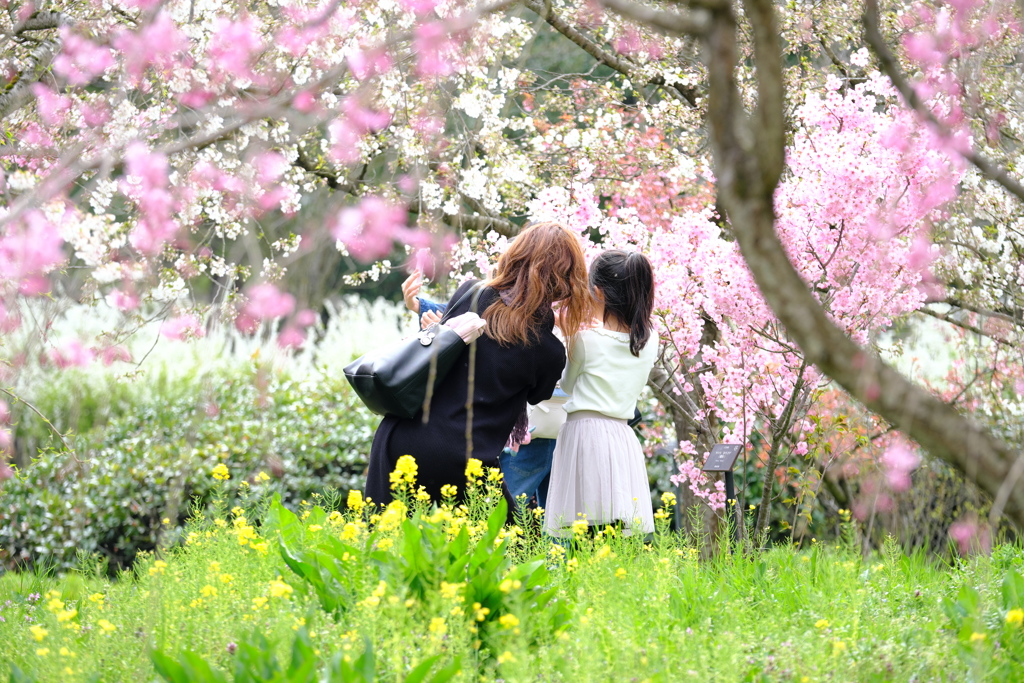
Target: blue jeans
{"points": [[529, 470]]}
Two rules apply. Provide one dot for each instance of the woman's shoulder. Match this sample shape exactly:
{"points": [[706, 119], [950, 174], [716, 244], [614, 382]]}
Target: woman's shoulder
{"points": [[462, 299]]}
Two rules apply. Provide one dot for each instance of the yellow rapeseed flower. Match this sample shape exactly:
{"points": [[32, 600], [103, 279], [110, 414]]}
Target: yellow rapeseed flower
{"points": [[449, 491], [315, 527], [43, 651], [620, 573], [838, 646], [509, 620], [1015, 617], [38, 632], [579, 527], [221, 473], [439, 626], [262, 476], [97, 598], [474, 469], [355, 500], [106, 626], [226, 578], [208, 591], [405, 472], [280, 589], [259, 602], [67, 615], [821, 623], [975, 637], [451, 591], [668, 499], [506, 656], [393, 515]]}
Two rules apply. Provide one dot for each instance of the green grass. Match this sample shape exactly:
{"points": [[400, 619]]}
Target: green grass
{"points": [[412, 593]]}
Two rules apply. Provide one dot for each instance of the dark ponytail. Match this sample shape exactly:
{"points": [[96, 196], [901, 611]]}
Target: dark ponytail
{"points": [[627, 281]]}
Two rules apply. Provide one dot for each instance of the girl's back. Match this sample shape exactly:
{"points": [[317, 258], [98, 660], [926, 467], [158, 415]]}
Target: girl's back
{"points": [[604, 376], [598, 472]]}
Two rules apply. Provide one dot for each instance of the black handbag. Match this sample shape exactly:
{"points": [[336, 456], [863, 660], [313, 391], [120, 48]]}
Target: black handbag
{"points": [[400, 379]]}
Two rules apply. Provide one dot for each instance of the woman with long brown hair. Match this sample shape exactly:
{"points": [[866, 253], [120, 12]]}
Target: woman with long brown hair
{"points": [[518, 360]]}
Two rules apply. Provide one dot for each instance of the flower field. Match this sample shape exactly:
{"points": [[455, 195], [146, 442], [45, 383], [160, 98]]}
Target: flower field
{"points": [[427, 593]]}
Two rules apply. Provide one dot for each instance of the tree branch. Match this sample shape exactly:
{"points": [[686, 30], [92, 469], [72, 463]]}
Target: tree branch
{"points": [[40, 21], [937, 427], [889, 66], [333, 181], [609, 59], [770, 135], [20, 94], [964, 326], [694, 23], [778, 432], [481, 224]]}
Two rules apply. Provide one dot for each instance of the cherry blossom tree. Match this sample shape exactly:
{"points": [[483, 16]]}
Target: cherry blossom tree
{"points": [[198, 163]]}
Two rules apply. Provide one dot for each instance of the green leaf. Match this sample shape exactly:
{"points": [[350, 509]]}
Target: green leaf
{"points": [[167, 667], [19, 676], [497, 519], [1013, 590], [449, 672], [283, 521], [418, 674]]}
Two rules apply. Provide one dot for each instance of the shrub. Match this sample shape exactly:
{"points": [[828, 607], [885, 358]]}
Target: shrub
{"points": [[150, 464]]}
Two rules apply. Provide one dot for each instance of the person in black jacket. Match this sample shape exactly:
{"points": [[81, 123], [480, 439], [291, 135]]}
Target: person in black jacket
{"points": [[518, 361]]}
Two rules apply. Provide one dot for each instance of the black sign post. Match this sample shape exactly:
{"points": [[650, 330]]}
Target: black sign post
{"points": [[721, 459]]}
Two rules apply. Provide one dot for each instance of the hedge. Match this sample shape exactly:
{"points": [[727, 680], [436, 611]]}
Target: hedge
{"points": [[131, 483]]}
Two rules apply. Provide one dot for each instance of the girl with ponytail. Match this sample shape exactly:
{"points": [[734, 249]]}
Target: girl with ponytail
{"points": [[598, 471]]}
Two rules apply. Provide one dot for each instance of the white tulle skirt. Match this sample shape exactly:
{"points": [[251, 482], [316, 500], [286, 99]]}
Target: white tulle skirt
{"points": [[598, 473]]}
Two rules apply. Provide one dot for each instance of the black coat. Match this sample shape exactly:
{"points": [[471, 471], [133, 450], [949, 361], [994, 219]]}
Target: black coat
{"points": [[506, 378]]}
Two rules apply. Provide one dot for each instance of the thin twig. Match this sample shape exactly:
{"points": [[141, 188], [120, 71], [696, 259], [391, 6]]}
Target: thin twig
{"points": [[44, 419]]}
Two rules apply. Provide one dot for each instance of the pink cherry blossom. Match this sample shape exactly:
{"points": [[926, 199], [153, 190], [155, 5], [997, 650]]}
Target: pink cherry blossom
{"points": [[234, 45], [81, 60], [970, 535], [291, 338], [28, 250], [434, 49], [370, 229], [114, 354], [420, 6], [899, 461], [71, 354], [266, 302], [53, 108], [123, 301], [306, 317], [183, 327], [159, 44], [366, 64]]}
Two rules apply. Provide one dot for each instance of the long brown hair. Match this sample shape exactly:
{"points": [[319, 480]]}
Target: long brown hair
{"points": [[544, 264]]}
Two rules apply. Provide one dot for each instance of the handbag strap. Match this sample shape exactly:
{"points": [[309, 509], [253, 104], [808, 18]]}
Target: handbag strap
{"points": [[475, 290]]}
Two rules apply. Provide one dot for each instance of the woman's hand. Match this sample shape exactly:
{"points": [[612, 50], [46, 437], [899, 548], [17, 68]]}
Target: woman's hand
{"points": [[429, 318], [411, 289]]}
